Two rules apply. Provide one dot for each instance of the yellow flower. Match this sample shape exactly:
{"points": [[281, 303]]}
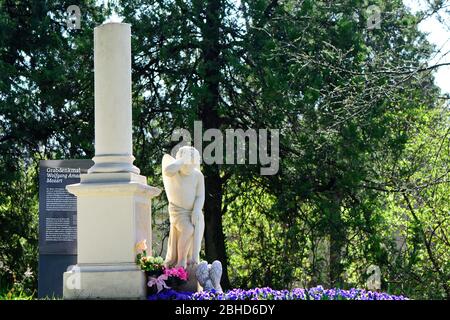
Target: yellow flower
{"points": [[142, 245]]}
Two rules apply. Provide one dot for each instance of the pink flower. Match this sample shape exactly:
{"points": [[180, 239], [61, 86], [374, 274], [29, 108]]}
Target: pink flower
{"points": [[168, 271], [182, 274], [179, 272]]}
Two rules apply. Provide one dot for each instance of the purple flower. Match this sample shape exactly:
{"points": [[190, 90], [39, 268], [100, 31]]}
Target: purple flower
{"points": [[315, 293]]}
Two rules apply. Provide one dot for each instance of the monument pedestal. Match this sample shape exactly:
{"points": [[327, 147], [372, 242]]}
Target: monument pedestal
{"points": [[118, 281], [114, 213]]}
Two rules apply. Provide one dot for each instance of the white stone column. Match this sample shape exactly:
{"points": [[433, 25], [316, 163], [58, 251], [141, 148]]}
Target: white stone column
{"points": [[113, 200], [113, 114]]}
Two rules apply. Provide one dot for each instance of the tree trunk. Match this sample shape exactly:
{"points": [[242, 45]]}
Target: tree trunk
{"points": [[337, 241], [214, 237], [208, 104]]}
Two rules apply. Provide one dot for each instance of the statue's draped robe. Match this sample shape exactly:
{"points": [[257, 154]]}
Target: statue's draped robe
{"points": [[176, 214]]}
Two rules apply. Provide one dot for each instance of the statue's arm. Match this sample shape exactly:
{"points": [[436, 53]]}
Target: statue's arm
{"points": [[172, 168], [199, 198]]}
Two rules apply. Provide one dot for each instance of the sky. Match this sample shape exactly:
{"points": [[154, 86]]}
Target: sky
{"points": [[438, 34]]}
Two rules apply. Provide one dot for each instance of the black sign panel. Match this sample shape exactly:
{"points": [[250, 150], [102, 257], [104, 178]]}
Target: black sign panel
{"points": [[57, 207], [57, 222]]}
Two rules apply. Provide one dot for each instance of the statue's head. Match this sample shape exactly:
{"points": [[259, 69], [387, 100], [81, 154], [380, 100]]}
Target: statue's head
{"points": [[191, 158]]}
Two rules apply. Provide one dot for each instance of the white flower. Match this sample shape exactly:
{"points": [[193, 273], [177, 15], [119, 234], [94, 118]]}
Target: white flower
{"points": [[28, 273]]}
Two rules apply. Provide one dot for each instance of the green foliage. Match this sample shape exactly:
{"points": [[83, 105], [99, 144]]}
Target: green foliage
{"points": [[18, 239], [46, 99], [417, 210]]}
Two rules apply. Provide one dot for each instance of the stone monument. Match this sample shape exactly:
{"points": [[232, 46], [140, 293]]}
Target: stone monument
{"points": [[114, 201]]}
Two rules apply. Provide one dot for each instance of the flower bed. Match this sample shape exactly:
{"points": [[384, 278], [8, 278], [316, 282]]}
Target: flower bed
{"points": [[316, 293]]}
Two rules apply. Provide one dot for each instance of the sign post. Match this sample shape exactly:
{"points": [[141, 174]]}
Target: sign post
{"points": [[57, 222]]}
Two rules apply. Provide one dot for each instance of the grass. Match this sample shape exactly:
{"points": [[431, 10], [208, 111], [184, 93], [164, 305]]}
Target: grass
{"points": [[16, 294]]}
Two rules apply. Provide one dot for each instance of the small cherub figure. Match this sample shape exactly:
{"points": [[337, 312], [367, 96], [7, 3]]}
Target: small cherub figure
{"points": [[209, 275]]}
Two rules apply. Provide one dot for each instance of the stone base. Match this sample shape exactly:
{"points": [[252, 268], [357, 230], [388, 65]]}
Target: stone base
{"points": [[104, 282]]}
